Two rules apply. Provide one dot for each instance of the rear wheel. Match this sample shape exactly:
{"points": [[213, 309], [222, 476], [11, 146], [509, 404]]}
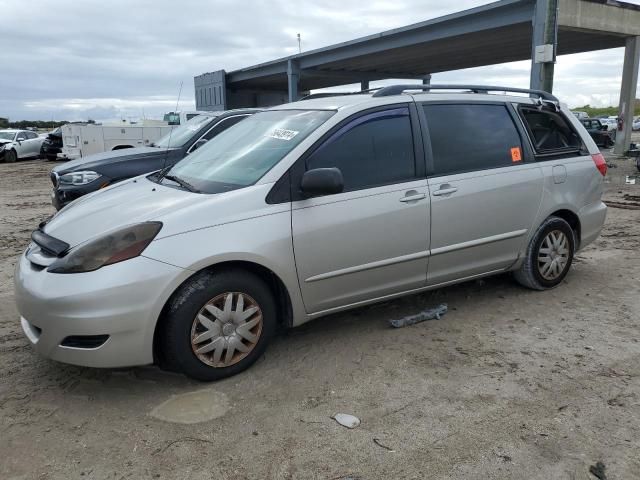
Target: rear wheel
{"points": [[10, 156], [218, 324], [549, 255]]}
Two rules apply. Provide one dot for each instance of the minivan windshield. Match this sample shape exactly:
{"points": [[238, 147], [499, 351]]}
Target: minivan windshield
{"points": [[242, 154], [180, 135]]}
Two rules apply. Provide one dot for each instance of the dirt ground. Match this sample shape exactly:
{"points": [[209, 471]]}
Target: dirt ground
{"points": [[510, 383]]}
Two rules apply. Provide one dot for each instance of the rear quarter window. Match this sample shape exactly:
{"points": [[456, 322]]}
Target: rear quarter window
{"points": [[550, 133], [472, 137]]}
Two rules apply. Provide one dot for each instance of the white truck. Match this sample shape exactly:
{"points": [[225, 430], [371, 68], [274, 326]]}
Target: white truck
{"points": [[83, 139]]}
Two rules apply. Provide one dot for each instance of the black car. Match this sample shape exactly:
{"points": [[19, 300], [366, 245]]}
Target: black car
{"points": [[599, 132], [52, 145], [77, 178]]}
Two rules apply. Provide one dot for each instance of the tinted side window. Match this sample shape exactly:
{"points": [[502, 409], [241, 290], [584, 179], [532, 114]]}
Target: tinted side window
{"points": [[372, 150], [472, 137], [32, 135], [550, 132]]}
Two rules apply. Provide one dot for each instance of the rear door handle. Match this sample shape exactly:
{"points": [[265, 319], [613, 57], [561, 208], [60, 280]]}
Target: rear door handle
{"points": [[414, 197], [444, 191]]}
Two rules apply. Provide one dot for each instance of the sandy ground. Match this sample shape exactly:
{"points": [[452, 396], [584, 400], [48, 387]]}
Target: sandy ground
{"points": [[511, 383]]}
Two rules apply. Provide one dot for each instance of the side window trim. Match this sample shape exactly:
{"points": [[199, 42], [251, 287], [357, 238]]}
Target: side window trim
{"points": [[527, 151], [214, 126], [299, 167]]}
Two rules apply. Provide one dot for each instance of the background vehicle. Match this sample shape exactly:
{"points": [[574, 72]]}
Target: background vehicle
{"points": [[180, 118], [52, 145], [580, 115], [307, 209], [599, 132], [611, 123], [636, 124], [19, 144], [84, 139], [79, 177]]}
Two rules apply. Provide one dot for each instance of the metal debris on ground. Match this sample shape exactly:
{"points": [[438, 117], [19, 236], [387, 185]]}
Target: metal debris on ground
{"points": [[427, 314], [380, 444], [346, 420], [598, 471]]}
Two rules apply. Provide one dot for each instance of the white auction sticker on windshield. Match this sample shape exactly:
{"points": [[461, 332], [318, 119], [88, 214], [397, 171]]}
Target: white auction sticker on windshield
{"points": [[282, 134]]}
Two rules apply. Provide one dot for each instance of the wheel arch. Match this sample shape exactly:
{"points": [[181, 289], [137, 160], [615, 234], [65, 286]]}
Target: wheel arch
{"points": [[572, 219], [273, 281], [121, 147]]}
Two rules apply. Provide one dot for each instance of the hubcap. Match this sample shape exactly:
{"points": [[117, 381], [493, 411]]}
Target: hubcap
{"points": [[226, 329], [553, 255]]}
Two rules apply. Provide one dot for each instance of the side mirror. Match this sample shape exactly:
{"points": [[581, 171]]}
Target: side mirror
{"points": [[198, 144], [604, 127], [322, 181]]}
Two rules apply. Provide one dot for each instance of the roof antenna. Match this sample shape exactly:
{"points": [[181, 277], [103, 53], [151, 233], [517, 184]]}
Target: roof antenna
{"points": [[166, 153], [299, 44]]}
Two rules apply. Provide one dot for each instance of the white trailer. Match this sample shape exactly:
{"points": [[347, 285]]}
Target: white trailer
{"points": [[82, 139]]}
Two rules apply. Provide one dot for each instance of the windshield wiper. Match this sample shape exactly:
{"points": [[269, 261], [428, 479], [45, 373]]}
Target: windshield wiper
{"points": [[181, 182]]}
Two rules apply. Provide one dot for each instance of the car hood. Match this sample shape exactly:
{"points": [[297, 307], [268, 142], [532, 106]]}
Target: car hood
{"points": [[3, 141], [141, 200], [107, 158]]}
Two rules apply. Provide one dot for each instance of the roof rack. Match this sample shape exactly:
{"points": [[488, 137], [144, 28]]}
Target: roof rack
{"points": [[311, 96], [398, 89]]}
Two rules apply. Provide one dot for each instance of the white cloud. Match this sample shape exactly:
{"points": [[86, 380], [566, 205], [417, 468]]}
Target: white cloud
{"points": [[73, 59]]}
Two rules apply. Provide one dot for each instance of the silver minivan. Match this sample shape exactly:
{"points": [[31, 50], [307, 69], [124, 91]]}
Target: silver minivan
{"points": [[307, 209]]}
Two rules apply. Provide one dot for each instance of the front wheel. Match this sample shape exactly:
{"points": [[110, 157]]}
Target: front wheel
{"points": [[11, 156], [217, 324], [549, 255]]}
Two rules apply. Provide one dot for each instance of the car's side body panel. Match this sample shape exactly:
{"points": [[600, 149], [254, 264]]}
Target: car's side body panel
{"points": [[358, 245], [482, 226]]}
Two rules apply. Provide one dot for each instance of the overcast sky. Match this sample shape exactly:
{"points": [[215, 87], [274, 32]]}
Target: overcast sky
{"points": [[73, 60]]}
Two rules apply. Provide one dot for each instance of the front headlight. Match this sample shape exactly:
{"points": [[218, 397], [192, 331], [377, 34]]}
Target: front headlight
{"points": [[79, 178], [2, 145], [117, 246]]}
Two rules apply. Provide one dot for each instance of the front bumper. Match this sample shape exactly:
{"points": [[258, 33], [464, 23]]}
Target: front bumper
{"points": [[122, 301]]}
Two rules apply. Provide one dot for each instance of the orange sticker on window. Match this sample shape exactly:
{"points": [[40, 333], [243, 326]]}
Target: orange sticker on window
{"points": [[516, 156]]}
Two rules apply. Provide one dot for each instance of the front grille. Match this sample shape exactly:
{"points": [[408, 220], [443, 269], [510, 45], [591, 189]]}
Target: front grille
{"points": [[84, 341]]}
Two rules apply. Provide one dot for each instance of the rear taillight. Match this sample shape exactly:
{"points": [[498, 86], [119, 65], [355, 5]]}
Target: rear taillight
{"points": [[601, 163]]}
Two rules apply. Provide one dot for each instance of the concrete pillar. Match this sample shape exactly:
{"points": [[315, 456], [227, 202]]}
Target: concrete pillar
{"points": [[293, 77], [628, 93], [364, 85], [426, 80], [544, 44]]}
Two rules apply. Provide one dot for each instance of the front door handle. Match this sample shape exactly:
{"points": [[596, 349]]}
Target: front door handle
{"points": [[447, 190], [413, 197]]}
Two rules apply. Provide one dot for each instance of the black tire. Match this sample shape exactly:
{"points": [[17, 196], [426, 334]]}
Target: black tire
{"points": [[10, 156], [529, 274], [176, 352]]}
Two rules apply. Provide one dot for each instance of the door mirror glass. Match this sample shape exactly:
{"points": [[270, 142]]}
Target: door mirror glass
{"points": [[322, 181], [604, 127]]}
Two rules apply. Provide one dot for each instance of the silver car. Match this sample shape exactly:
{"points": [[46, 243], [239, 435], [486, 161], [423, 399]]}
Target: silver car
{"points": [[307, 209], [19, 144]]}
